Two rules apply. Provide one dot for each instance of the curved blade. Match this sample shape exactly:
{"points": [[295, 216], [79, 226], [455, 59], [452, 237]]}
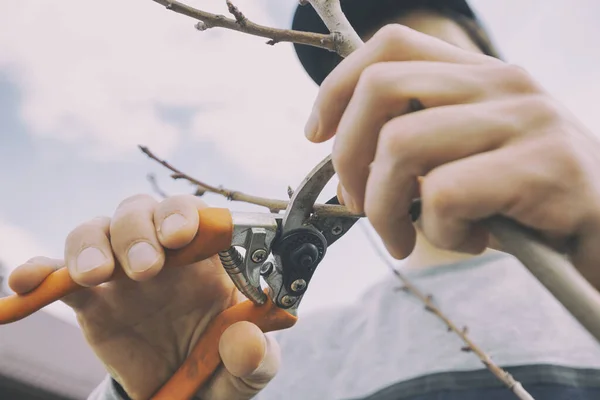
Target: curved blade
{"points": [[303, 199]]}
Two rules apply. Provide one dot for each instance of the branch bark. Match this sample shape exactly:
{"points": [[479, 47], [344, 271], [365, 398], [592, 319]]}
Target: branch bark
{"points": [[274, 205], [332, 15], [208, 20]]}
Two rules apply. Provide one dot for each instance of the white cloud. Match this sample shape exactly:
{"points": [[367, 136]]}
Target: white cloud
{"points": [[94, 74], [17, 245]]}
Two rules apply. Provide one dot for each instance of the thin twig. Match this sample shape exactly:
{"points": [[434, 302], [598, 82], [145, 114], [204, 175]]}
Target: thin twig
{"points": [[156, 187], [242, 24], [323, 210], [515, 386]]}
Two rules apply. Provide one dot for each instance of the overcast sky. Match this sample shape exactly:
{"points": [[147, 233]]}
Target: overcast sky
{"points": [[83, 83]]}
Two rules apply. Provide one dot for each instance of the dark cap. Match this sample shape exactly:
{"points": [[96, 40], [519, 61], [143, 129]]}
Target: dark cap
{"points": [[363, 15]]}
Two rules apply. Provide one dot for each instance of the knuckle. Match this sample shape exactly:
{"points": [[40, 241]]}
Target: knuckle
{"points": [[568, 156], [541, 109], [81, 232], [131, 225], [518, 78], [125, 221], [180, 202], [374, 86], [138, 206], [389, 138], [439, 195], [99, 222], [136, 199], [390, 36], [399, 137], [372, 79]]}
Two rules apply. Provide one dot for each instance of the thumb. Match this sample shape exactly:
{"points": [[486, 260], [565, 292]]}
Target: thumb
{"points": [[250, 360]]}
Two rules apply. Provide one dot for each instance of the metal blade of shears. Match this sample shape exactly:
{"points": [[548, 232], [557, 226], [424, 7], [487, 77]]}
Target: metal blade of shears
{"points": [[303, 200], [299, 210]]}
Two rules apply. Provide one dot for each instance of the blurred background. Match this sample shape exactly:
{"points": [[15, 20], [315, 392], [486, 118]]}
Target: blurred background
{"points": [[83, 83]]}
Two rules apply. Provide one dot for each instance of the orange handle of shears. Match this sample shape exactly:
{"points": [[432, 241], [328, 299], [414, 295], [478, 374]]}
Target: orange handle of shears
{"points": [[205, 359], [215, 232]]}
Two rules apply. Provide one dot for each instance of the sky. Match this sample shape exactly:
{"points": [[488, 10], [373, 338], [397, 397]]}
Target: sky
{"points": [[83, 83]]}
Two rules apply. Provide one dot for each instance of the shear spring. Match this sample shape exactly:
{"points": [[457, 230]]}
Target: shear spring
{"points": [[233, 262]]}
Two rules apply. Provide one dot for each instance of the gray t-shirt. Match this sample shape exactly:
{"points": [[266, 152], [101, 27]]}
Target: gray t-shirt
{"points": [[387, 346]]}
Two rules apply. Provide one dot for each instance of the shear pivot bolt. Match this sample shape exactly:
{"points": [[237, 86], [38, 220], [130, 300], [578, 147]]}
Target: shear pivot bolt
{"points": [[298, 285], [266, 269], [259, 255], [288, 300], [336, 230]]}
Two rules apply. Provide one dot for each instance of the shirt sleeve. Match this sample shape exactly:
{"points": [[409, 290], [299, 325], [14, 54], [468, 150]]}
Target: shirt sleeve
{"points": [[108, 389]]}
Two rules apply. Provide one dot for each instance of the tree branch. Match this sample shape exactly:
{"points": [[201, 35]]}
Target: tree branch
{"points": [[515, 386], [332, 15], [323, 210], [242, 24]]}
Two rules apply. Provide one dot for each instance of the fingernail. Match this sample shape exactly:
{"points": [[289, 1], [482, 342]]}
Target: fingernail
{"points": [[172, 224], [89, 258], [141, 256], [311, 129]]}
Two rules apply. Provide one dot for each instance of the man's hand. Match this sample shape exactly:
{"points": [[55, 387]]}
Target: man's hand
{"points": [[490, 141], [144, 327]]}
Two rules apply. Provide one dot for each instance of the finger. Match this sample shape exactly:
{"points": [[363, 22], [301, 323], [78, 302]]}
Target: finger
{"points": [[250, 359], [392, 43], [176, 220], [28, 276], [389, 90], [88, 253], [459, 194], [412, 145], [134, 239]]}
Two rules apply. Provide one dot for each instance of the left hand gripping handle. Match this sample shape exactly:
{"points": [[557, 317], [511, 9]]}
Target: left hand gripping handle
{"points": [[215, 230]]}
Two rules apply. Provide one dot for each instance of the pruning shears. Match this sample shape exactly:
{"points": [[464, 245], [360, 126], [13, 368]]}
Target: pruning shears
{"points": [[282, 249]]}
